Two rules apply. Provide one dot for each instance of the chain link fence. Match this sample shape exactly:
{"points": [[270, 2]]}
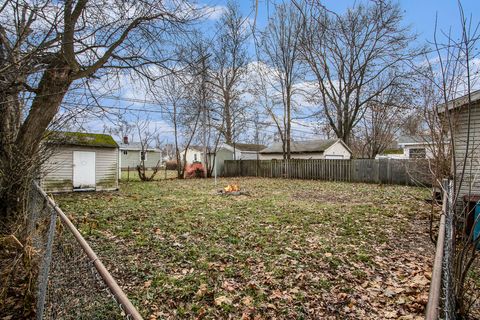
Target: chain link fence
{"points": [[72, 283], [448, 296]]}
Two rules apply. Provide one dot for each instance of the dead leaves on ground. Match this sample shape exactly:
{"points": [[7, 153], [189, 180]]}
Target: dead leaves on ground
{"points": [[355, 252]]}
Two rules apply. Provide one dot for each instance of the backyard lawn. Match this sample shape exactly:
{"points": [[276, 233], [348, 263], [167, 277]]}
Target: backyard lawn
{"points": [[132, 175], [289, 249]]}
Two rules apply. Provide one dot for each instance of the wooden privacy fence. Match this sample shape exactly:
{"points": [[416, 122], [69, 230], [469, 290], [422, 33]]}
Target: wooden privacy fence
{"points": [[388, 171]]}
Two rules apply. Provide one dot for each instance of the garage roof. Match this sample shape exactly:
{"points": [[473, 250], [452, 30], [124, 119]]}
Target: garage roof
{"points": [[309, 146]]}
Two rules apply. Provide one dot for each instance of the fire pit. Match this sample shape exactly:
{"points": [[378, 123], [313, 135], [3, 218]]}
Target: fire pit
{"points": [[232, 190]]}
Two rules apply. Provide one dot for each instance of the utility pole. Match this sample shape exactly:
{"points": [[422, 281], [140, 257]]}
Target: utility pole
{"points": [[204, 107]]}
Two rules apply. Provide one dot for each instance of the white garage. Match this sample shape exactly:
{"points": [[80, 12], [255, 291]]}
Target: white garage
{"points": [[309, 149]]}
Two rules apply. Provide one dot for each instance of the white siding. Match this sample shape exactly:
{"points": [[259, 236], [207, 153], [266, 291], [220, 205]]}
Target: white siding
{"points": [[106, 168], [338, 149], [279, 156], [191, 155], [132, 159], [248, 155], [471, 179], [428, 150], [57, 172]]}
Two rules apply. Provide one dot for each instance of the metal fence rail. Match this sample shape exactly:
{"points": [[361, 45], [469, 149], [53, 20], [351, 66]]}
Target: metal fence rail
{"points": [[73, 283], [440, 298]]}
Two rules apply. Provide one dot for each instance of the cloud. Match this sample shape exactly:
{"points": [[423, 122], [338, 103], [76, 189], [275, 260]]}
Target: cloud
{"points": [[212, 12]]}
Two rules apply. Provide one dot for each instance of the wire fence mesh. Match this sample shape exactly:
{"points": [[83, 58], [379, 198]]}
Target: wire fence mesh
{"points": [[448, 298], [69, 286]]}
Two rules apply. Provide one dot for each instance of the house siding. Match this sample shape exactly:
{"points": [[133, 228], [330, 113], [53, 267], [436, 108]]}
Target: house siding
{"points": [[279, 156], [249, 155], [338, 149], [190, 157], [471, 180], [132, 159], [57, 172], [220, 158]]}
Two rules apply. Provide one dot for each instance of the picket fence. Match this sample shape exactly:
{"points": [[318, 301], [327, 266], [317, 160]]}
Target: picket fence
{"points": [[386, 171]]}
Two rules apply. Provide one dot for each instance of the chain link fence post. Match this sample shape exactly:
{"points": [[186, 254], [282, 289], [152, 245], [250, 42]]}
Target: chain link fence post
{"points": [[45, 266]]}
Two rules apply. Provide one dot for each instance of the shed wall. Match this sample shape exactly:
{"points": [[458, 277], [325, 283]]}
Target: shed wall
{"points": [[57, 172]]}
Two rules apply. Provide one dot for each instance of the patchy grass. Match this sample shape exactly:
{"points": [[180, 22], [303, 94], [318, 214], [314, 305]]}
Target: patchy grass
{"points": [[161, 175], [292, 249]]}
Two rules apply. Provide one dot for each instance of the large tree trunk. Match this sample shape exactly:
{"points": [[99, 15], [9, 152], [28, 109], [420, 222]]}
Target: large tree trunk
{"points": [[228, 132], [19, 159]]}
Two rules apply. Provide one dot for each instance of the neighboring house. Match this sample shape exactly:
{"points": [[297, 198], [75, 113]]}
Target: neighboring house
{"points": [[194, 154], [416, 147], [237, 151], [409, 147], [79, 162], [131, 155], [469, 190], [311, 149]]}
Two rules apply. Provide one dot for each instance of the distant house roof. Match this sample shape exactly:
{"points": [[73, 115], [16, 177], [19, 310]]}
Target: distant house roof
{"points": [[248, 146], [198, 148], [81, 139], [460, 101], [309, 146], [134, 146], [413, 140]]}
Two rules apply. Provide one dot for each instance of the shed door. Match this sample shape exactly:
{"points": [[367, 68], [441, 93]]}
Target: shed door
{"points": [[83, 170]]}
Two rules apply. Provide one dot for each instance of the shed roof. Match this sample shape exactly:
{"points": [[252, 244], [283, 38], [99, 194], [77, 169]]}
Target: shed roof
{"points": [[84, 139], [309, 146], [248, 146], [413, 140], [195, 147]]}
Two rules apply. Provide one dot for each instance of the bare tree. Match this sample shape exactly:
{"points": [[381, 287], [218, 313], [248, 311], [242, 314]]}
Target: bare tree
{"points": [[48, 48], [347, 53], [280, 46], [173, 94], [121, 129], [147, 137], [448, 75], [194, 117], [64, 43], [229, 66], [383, 119]]}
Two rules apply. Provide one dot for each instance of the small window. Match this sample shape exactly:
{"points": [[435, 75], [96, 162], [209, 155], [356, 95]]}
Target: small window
{"points": [[143, 155], [125, 152], [418, 153], [195, 157]]}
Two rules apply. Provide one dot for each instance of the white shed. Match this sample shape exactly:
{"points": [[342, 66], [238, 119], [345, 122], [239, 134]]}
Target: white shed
{"points": [[80, 162], [237, 151], [311, 149]]}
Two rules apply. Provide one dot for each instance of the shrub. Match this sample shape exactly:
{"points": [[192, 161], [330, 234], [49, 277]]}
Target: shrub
{"points": [[195, 170], [171, 165]]}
